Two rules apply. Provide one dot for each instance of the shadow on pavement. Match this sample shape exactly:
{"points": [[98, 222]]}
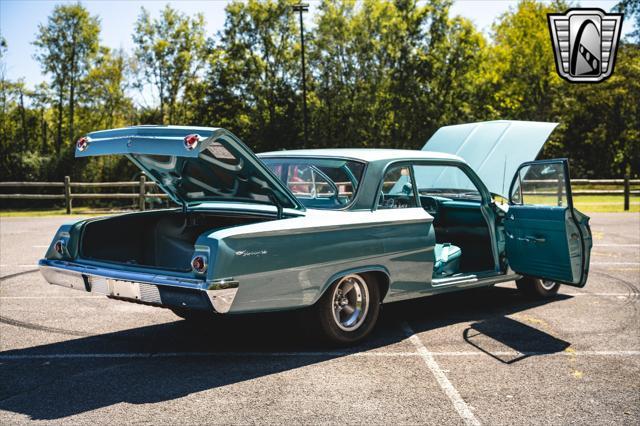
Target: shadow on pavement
{"points": [[50, 389], [493, 336]]}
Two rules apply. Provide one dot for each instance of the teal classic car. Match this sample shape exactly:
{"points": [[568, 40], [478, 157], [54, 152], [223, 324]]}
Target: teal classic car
{"points": [[336, 232]]}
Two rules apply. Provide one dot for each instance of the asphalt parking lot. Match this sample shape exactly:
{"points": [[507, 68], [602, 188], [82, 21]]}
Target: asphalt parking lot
{"points": [[477, 357]]}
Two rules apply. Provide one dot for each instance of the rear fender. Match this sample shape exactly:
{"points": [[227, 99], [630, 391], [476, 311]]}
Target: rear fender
{"points": [[378, 270]]}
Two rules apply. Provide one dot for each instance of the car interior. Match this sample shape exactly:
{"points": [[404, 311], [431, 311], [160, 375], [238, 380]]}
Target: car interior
{"points": [[463, 241]]}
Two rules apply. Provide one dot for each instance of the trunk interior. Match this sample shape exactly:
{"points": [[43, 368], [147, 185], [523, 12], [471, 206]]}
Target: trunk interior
{"points": [[163, 239]]}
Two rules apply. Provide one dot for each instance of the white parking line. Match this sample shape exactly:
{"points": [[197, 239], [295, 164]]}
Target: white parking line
{"points": [[333, 354], [458, 403], [614, 263], [625, 295]]}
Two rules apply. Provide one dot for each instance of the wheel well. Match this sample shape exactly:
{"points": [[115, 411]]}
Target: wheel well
{"points": [[381, 280]]}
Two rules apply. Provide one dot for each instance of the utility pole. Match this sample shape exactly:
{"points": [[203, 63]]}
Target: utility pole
{"points": [[303, 7]]}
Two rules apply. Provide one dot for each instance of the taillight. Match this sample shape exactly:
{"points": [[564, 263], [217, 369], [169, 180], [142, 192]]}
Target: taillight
{"points": [[83, 143], [59, 247], [191, 141], [199, 264]]}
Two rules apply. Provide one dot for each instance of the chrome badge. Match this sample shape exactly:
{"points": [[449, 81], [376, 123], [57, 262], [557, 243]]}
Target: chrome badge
{"points": [[584, 43]]}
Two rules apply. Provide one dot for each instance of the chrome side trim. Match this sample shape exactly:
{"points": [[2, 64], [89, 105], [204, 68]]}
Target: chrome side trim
{"points": [[473, 280], [141, 287]]}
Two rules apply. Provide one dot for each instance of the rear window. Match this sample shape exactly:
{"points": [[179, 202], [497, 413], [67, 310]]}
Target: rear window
{"points": [[321, 183]]}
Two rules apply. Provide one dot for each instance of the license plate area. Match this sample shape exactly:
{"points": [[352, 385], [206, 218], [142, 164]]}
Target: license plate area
{"points": [[111, 287], [125, 289]]}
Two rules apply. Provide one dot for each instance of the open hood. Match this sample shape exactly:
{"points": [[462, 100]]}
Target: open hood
{"points": [[493, 149], [193, 164]]}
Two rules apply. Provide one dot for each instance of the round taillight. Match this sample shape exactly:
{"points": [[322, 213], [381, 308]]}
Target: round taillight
{"points": [[191, 141], [82, 144], [199, 264], [59, 247]]}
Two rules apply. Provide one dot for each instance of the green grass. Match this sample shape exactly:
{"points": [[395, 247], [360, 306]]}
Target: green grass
{"points": [[604, 203], [83, 211]]}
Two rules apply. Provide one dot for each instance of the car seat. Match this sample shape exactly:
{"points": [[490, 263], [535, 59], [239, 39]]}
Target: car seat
{"points": [[447, 260]]}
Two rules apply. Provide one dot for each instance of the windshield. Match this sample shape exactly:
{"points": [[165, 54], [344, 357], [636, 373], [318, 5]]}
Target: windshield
{"points": [[445, 181], [319, 183]]}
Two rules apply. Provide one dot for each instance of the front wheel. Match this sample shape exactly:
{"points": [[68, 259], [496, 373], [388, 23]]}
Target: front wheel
{"points": [[349, 309], [537, 288]]}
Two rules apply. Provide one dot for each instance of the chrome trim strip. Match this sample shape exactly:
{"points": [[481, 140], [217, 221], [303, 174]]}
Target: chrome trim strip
{"points": [[135, 286], [473, 280]]}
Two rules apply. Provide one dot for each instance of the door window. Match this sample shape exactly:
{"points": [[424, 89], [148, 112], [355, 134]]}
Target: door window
{"points": [[397, 189], [540, 184]]}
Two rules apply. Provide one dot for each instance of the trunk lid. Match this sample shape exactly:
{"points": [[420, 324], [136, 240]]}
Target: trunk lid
{"points": [[217, 167], [493, 149]]}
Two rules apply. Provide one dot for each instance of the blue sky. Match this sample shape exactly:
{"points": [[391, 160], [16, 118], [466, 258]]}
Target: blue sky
{"points": [[19, 21]]}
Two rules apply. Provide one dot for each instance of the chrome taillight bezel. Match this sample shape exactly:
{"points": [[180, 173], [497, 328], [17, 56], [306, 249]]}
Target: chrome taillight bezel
{"points": [[197, 268]]}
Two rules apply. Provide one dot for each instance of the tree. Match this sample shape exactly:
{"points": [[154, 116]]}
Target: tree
{"points": [[387, 74], [252, 85], [65, 47], [170, 53]]}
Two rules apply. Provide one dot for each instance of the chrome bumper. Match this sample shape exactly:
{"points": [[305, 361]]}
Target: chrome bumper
{"points": [[138, 287]]}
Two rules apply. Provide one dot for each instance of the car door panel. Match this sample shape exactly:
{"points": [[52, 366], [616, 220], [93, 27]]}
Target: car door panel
{"points": [[542, 239]]}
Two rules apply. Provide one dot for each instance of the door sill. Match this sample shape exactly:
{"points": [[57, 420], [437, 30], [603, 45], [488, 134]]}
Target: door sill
{"points": [[472, 280]]}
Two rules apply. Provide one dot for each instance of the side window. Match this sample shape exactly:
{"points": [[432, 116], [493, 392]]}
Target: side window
{"points": [[540, 184], [397, 189]]}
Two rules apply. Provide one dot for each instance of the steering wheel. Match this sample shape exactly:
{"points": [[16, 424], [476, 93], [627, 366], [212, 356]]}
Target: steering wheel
{"points": [[430, 205]]}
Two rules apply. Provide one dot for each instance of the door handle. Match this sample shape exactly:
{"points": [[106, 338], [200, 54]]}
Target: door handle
{"points": [[535, 240]]}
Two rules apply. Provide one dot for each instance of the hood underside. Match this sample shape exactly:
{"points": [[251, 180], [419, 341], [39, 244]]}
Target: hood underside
{"points": [[493, 149]]}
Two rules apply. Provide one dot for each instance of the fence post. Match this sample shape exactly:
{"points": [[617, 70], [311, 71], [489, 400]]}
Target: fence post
{"points": [[142, 192], [67, 193], [626, 193]]}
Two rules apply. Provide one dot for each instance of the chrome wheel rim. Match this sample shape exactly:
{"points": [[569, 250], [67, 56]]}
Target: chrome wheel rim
{"points": [[547, 284], [350, 302]]}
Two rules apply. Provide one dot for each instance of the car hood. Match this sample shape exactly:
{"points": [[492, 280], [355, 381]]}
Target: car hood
{"points": [[218, 168], [493, 149]]}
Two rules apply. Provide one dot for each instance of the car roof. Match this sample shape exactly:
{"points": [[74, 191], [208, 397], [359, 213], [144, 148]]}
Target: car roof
{"points": [[364, 154]]}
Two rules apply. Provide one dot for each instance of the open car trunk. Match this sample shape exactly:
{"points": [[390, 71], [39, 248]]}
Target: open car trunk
{"points": [[161, 239]]}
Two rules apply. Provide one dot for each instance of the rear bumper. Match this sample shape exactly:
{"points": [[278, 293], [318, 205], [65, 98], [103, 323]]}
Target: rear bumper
{"points": [[155, 289]]}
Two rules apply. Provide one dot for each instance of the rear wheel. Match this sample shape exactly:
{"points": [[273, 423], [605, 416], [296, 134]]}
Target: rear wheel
{"points": [[349, 309], [537, 288]]}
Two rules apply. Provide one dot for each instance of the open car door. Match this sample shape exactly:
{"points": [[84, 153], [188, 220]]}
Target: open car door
{"points": [[545, 236]]}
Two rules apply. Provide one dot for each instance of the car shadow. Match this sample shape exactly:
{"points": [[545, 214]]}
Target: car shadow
{"points": [[50, 388]]}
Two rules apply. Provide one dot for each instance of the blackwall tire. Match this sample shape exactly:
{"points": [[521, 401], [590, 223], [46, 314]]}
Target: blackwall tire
{"points": [[349, 309], [537, 288]]}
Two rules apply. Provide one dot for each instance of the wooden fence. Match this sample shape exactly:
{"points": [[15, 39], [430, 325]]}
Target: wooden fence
{"points": [[143, 186]]}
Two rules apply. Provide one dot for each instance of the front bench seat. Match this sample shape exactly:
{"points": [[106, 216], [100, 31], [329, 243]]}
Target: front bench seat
{"points": [[447, 260]]}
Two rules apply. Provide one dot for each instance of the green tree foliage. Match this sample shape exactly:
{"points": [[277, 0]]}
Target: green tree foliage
{"points": [[253, 78], [170, 51], [66, 45], [387, 74]]}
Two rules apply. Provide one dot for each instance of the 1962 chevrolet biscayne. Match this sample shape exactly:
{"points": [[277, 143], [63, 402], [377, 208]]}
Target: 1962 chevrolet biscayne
{"points": [[336, 231]]}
